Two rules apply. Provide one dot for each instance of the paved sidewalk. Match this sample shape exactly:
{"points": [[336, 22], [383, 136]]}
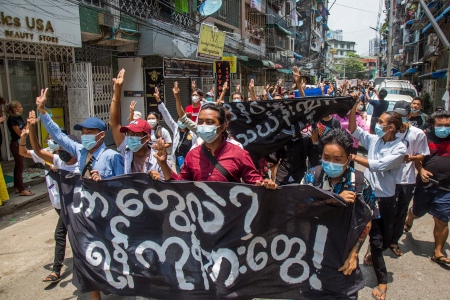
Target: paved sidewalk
{"points": [[17, 202]]}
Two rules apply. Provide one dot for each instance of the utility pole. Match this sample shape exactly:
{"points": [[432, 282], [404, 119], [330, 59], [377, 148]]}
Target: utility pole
{"points": [[389, 52]]}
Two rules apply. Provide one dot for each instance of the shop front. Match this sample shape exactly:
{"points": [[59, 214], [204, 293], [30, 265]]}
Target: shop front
{"points": [[32, 41]]}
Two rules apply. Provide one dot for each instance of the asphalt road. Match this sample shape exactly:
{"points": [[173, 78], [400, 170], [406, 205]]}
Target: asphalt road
{"points": [[27, 245]]}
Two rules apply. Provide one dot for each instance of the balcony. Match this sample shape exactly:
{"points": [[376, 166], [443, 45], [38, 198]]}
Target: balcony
{"points": [[273, 17]]}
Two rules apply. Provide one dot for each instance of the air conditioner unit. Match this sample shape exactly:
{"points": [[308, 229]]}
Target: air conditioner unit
{"points": [[106, 19], [291, 23], [272, 56]]}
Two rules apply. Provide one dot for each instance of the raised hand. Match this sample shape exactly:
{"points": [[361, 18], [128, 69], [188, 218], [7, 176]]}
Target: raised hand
{"points": [[280, 82], [42, 99], [32, 118], [160, 150], [118, 81], [156, 94], [251, 86], [175, 89], [225, 86], [132, 106], [154, 175], [295, 72], [95, 175], [193, 84], [238, 87], [24, 133]]}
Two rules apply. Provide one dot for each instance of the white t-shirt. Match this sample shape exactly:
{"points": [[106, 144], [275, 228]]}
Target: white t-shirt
{"points": [[199, 142], [53, 191], [415, 141]]}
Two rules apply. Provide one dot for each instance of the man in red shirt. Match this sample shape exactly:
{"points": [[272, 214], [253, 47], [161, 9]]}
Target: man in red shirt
{"points": [[212, 125]]}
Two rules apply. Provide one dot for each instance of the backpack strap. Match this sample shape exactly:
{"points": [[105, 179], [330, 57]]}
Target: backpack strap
{"points": [[359, 181], [318, 176], [217, 165]]}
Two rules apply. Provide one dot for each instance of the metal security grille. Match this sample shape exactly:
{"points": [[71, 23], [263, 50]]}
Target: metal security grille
{"points": [[96, 55], [185, 94], [230, 12], [35, 52], [101, 80]]}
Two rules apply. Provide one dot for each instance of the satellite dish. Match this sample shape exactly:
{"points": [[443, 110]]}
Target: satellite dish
{"points": [[209, 7], [300, 23], [308, 66]]}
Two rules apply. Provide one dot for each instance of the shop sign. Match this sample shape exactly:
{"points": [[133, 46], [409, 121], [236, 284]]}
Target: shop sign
{"points": [[187, 68], [153, 78], [211, 42], [57, 24], [222, 75]]}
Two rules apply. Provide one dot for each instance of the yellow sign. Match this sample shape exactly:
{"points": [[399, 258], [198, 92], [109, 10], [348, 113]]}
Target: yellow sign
{"points": [[58, 118], [210, 43]]}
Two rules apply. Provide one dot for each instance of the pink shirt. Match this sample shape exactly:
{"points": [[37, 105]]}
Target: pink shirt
{"points": [[359, 122], [236, 160]]}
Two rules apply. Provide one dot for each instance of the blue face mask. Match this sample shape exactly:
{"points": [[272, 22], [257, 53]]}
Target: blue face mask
{"points": [[134, 143], [379, 130], [52, 145], [333, 170], [415, 111], [181, 125], [442, 131], [209, 99], [207, 133], [88, 141]]}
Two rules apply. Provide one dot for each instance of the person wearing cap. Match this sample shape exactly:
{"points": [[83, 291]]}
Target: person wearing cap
{"points": [[92, 152], [210, 96], [383, 162], [379, 107], [132, 140], [57, 159], [416, 149]]}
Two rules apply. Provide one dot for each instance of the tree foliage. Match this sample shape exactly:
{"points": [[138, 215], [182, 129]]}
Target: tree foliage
{"points": [[352, 65]]}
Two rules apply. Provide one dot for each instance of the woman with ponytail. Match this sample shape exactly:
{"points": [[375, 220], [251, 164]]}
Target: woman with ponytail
{"points": [[15, 126]]}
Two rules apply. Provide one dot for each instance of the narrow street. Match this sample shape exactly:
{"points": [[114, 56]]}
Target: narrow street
{"points": [[26, 256]]}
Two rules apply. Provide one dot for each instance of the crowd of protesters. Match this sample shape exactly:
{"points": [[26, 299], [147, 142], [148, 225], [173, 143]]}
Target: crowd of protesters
{"points": [[200, 147]]}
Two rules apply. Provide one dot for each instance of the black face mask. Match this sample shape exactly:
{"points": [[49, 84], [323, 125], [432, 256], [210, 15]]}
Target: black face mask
{"points": [[64, 155]]}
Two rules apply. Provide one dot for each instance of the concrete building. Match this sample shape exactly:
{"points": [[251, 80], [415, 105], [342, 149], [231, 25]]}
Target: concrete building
{"points": [[374, 47]]}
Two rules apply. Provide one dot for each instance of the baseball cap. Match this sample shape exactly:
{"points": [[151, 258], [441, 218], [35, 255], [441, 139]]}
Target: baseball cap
{"points": [[210, 94], [138, 125], [91, 123], [403, 108], [137, 115]]}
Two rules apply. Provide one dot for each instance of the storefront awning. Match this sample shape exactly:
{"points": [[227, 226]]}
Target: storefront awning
{"points": [[425, 76], [297, 56], [258, 63], [439, 73], [285, 71], [278, 66], [279, 27], [411, 71], [444, 14]]}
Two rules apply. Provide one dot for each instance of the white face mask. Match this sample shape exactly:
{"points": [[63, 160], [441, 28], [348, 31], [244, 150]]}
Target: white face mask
{"points": [[152, 123], [195, 99]]}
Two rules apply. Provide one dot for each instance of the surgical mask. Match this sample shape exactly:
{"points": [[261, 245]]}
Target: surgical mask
{"points": [[379, 130], [134, 143], [360, 107], [195, 99], [18, 113], [64, 155], [333, 170], [88, 141], [285, 97], [209, 99], [181, 125], [207, 133], [52, 145], [237, 100], [404, 119], [415, 111], [152, 123], [442, 131]]}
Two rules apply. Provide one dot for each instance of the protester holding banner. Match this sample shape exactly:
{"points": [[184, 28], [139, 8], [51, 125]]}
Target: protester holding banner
{"points": [[96, 161], [416, 147], [60, 160], [432, 194], [217, 159], [385, 156], [132, 140], [336, 175]]}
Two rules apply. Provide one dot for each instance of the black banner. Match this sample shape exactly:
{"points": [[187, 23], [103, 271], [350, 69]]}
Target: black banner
{"points": [[187, 68], [208, 240], [153, 78], [263, 127], [222, 76]]}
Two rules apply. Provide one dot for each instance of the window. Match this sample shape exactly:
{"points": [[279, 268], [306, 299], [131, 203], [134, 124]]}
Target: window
{"points": [[341, 53], [348, 47], [342, 46]]}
